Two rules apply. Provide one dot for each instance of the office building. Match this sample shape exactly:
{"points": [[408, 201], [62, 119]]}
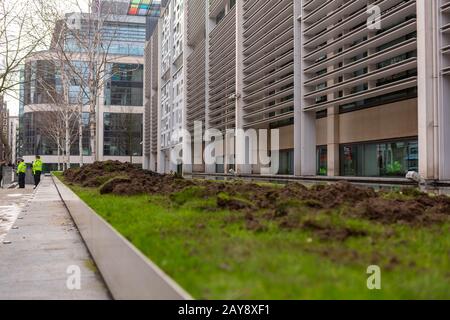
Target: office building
{"points": [[356, 88], [119, 111]]}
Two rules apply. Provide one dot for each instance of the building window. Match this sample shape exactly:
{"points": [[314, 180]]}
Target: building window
{"points": [[286, 162], [125, 87], [122, 134], [383, 159], [322, 160], [321, 114], [392, 97]]}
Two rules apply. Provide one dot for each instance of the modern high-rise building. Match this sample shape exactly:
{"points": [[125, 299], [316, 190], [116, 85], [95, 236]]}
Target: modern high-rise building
{"points": [[356, 88], [164, 87], [119, 113]]}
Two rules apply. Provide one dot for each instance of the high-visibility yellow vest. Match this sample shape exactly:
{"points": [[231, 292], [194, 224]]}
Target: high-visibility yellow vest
{"points": [[21, 168], [37, 165]]}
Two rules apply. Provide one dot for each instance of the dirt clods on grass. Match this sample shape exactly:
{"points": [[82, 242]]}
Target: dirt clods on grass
{"points": [[411, 211], [131, 180], [286, 205], [328, 232]]}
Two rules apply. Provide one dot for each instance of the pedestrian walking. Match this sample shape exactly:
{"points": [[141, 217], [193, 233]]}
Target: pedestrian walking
{"points": [[37, 171], [21, 172]]}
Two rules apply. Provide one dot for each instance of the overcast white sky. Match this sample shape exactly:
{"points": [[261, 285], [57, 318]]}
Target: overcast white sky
{"points": [[67, 6]]}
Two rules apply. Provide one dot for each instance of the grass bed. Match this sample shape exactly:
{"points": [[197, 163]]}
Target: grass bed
{"points": [[214, 254]]}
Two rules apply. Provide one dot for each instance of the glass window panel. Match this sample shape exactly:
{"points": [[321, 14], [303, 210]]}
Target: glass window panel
{"points": [[122, 134], [383, 159], [125, 87]]}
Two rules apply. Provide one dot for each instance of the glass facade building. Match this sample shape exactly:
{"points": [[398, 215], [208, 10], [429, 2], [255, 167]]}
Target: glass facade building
{"points": [[119, 107], [122, 134], [125, 86]]}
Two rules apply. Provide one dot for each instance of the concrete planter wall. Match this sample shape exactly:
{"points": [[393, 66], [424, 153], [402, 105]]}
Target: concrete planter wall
{"points": [[126, 271]]}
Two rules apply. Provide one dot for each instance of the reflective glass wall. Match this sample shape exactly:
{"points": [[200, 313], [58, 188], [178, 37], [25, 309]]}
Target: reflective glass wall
{"points": [[125, 86], [382, 159], [122, 134]]}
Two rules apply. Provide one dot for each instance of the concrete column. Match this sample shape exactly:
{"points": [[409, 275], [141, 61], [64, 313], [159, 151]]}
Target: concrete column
{"points": [[240, 145], [209, 25], [308, 143], [332, 130], [304, 122], [434, 96], [100, 128], [428, 89], [187, 139], [333, 141]]}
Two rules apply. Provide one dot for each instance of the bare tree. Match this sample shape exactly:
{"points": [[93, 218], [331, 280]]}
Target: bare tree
{"points": [[126, 124], [21, 33], [59, 119], [86, 36]]}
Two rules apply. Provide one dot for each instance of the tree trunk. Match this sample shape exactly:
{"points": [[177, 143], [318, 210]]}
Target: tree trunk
{"points": [[80, 136], [92, 126], [67, 141], [59, 154], [130, 141]]}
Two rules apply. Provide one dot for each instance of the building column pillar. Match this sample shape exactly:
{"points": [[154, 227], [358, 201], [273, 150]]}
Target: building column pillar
{"points": [[428, 89], [333, 163], [304, 122], [187, 139], [297, 90], [209, 25], [241, 148]]}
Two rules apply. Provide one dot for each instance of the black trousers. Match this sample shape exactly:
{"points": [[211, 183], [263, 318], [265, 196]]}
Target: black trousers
{"points": [[37, 177], [22, 180]]}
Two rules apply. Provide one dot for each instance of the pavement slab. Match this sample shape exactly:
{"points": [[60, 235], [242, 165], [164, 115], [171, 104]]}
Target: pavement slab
{"points": [[41, 250], [12, 201]]}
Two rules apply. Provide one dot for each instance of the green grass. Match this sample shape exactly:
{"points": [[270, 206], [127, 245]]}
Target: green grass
{"points": [[214, 257]]}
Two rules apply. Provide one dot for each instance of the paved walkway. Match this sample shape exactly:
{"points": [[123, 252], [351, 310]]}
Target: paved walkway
{"points": [[41, 248], [12, 201]]}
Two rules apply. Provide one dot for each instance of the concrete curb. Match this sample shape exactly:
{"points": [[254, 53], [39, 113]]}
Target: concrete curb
{"points": [[128, 274]]}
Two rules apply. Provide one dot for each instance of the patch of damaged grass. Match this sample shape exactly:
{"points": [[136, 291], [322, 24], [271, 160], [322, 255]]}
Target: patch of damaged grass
{"points": [[223, 246]]}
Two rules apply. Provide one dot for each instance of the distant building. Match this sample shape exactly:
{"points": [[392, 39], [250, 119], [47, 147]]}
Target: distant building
{"points": [[120, 103], [13, 137], [5, 153]]}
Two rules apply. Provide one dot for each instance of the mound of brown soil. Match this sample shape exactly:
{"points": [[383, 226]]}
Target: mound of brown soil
{"points": [[124, 179], [283, 203], [414, 212]]}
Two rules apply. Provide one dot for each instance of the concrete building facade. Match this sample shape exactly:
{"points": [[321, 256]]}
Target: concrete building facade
{"points": [[356, 88]]}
